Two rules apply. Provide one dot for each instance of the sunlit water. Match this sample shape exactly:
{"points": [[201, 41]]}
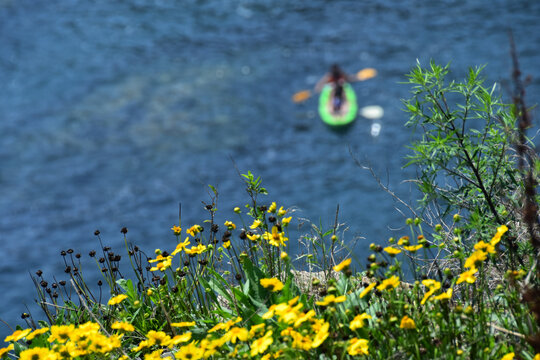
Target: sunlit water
{"points": [[112, 113]]}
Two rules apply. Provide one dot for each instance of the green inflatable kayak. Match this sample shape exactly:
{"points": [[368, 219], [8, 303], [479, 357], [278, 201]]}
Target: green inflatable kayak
{"points": [[346, 114]]}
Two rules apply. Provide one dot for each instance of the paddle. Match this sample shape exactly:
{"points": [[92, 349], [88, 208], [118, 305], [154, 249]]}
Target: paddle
{"points": [[362, 75]]}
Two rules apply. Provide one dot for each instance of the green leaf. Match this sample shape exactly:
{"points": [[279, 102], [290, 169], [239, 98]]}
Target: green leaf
{"points": [[127, 286]]}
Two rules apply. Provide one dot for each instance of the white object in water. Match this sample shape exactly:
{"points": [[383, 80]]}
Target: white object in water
{"points": [[375, 129], [372, 112]]}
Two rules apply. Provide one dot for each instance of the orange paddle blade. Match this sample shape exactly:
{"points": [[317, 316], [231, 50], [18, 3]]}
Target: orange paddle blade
{"points": [[365, 74], [301, 96]]}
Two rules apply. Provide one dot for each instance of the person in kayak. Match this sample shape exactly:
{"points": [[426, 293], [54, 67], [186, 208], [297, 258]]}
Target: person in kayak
{"points": [[337, 78]]}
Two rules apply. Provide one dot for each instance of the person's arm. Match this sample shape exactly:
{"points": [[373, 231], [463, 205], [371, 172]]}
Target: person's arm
{"points": [[351, 77], [320, 84]]}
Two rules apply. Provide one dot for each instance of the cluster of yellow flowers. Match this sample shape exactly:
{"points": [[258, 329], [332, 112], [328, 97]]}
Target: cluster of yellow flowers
{"points": [[480, 254], [67, 342], [286, 323]]}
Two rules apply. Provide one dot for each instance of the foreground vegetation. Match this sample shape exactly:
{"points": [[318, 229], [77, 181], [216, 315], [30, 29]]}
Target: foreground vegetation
{"points": [[461, 282]]}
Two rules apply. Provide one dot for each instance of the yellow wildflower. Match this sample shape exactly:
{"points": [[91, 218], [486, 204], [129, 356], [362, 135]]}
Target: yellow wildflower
{"points": [[432, 286], [236, 333], [154, 355], [253, 237], [61, 333], [256, 328], [497, 237], [260, 345], [183, 324], [407, 323], [304, 317], [256, 224], [178, 339], [272, 208], [181, 246], [331, 299], [392, 251], [389, 284], [5, 350], [281, 211], [404, 240], [143, 344], [486, 247], [343, 265], [284, 255], [17, 335], [413, 248], [467, 276], [321, 335], [194, 230], [275, 238], [367, 289], [163, 263], [199, 249], [358, 321], [475, 259], [230, 225], [358, 347], [38, 353], [189, 352], [225, 326], [272, 284], [177, 230], [227, 244], [36, 333], [444, 296], [508, 356], [300, 341], [123, 326], [158, 338], [286, 221]]}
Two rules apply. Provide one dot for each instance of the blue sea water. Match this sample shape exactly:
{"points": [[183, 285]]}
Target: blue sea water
{"points": [[114, 112]]}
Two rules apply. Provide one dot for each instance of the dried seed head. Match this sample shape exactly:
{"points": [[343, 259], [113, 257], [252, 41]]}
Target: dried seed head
{"points": [[96, 232], [39, 273], [124, 230]]}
